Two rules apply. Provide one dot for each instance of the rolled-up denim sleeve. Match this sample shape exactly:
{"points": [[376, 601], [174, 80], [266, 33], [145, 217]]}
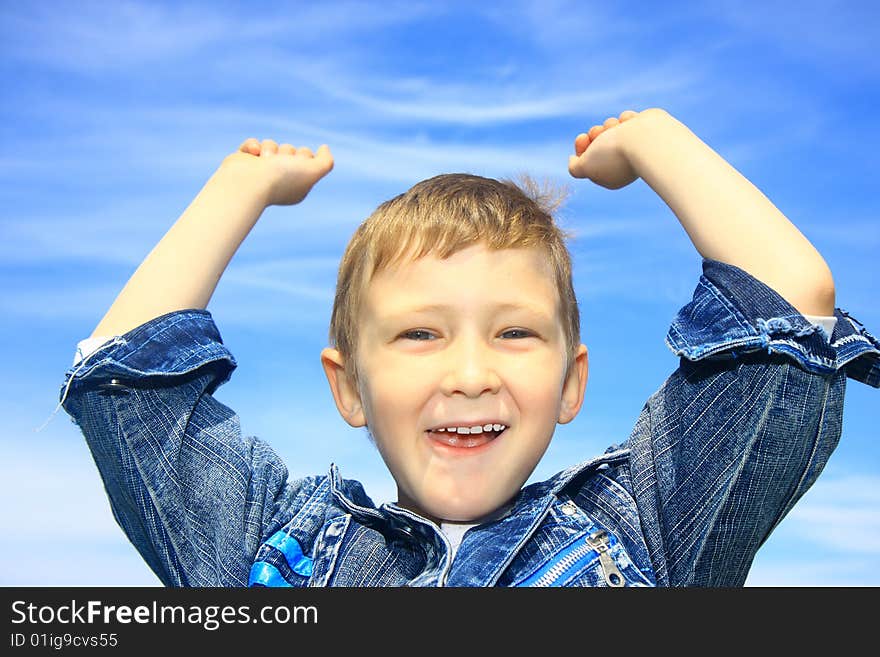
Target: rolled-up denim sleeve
{"points": [[742, 428], [192, 494]]}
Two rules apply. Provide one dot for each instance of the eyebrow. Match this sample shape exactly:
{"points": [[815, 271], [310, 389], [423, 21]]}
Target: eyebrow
{"points": [[498, 307]]}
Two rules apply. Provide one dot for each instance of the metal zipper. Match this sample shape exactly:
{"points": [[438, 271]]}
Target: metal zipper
{"points": [[596, 545], [599, 541], [559, 568]]}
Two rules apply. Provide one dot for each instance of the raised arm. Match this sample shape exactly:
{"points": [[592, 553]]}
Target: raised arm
{"points": [[727, 218], [736, 435], [183, 269], [194, 495]]}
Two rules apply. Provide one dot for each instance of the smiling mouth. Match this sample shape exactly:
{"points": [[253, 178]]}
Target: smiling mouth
{"points": [[467, 437]]}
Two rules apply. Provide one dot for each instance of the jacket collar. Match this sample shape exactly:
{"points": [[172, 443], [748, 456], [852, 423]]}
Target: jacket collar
{"points": [[352, 498], [509, 532], [612, 455], [502, 540]]}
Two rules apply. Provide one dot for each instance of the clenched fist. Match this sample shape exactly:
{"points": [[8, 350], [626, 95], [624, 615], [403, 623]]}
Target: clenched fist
{"points": [[289, 172]]}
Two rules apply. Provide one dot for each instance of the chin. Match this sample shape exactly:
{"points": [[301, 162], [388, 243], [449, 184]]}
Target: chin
{"points": [[462, 510]]}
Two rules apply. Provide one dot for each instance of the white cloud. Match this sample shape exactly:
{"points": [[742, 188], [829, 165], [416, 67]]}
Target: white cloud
{"points": [[113, 233], [841, 513], [226, 49], [479, 103], [100, 37], [849, 571], [103, 36], [59, 482], [303, 278], [65, 302], [830, 538], [85, 562], [359, 156]]}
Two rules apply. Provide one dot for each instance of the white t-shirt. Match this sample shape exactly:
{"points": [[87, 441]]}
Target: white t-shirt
{"points": [[454, 531]]}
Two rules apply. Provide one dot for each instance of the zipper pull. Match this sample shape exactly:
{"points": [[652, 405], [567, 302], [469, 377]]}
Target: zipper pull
{"points": [[599, 541]]}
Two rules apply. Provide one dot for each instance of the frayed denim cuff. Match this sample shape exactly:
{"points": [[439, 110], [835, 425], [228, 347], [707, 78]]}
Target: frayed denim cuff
{"points": [[733, 313], [178, 342]]}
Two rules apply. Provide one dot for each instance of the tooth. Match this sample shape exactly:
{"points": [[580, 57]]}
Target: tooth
{"points": [[476, 429], [463, 430], [439, 429], [497, 427], [487, 427]]}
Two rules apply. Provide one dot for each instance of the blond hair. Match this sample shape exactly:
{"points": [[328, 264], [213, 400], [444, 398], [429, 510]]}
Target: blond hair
{"points": [[440, 216]]}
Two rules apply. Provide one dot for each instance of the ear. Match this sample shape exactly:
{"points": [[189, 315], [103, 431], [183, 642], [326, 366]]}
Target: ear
{"points": [[574, 385], [345, 393]]}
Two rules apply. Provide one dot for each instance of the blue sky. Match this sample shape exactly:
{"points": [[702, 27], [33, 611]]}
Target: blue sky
{"points": [[114, 114]]}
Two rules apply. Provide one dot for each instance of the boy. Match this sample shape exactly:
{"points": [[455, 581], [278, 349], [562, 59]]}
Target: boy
{"points": [[455, 342]]}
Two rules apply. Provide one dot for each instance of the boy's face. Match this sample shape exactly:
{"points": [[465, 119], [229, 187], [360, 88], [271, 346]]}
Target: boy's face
{"points": [[472, 340]]}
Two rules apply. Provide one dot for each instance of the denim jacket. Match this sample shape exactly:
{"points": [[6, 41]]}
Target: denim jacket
{"points": [[718, 456]]}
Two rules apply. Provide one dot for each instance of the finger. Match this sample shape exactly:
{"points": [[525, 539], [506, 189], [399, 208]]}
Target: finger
{"points": [[595, 131], [324, 156], [286, 149], [250, 145], [305, 151], [576, 166], [581, 142], [269, 147], [628, 114], [611, 122]]}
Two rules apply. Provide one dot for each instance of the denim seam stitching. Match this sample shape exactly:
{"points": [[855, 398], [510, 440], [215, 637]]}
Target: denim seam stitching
{"points": [[171, 320], [566, 476], [345, 521], [706, 448], [168, 543], [674, 556], [215, 561], [212, 562], [762, 335], [210, 348], [728, 304], [657, 548], [734, 478], [315, 499], [348, 504], [759, 341], [499, 570], [816, 442], [625, 499], [603, 505]]}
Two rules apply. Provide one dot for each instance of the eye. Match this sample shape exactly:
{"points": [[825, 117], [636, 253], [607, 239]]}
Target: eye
{"points": [[418, 334], [517, 333]]}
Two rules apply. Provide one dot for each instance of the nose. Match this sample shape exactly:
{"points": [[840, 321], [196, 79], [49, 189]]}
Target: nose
{"points": [[470, 370]]}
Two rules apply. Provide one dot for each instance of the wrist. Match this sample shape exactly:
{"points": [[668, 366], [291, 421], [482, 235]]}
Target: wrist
{"points": [[643, 133], [239, 176]]}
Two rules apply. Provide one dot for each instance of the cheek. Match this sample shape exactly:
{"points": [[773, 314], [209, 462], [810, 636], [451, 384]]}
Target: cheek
{"points": [[390, 396], [537, 385]]}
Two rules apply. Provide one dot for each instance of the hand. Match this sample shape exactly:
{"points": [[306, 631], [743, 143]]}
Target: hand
{"points": [[288, 172], [600, 154]]}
